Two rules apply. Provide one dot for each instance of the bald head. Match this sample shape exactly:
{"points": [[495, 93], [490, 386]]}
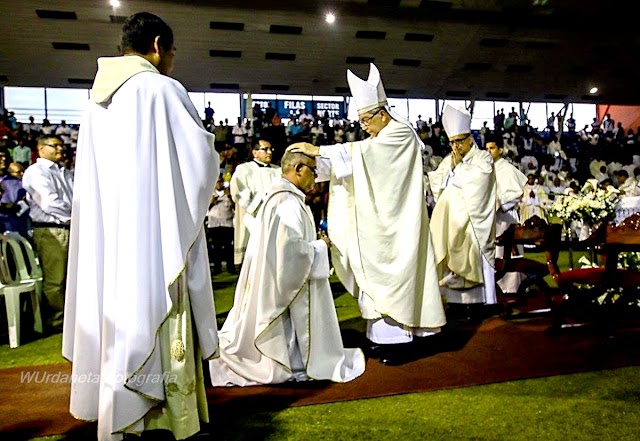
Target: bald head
{"points": [[15, 170]]}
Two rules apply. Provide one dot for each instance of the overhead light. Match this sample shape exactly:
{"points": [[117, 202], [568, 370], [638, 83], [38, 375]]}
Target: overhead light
{"points": [[330, 18], [115, 3], [593, 90]]}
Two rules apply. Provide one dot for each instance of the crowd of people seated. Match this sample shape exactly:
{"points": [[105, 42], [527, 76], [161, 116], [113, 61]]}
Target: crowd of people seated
{"points": [[556, 159]]}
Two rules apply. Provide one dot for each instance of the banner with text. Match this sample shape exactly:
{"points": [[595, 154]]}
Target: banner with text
{"points": [[290, 108]]}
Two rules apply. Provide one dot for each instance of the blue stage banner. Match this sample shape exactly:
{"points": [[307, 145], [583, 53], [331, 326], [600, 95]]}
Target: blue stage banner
{"points": [[329, 109], [262, 103], [287, 108]]}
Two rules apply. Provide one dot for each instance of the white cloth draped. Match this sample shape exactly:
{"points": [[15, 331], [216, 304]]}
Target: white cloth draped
{"points": [[509, 183], [379, 226], [283, 325], [249, 185], [135, 232], [464, 222]]}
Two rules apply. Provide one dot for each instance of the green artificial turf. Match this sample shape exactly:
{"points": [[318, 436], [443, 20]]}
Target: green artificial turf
{"points": [[601, 405], [46, 350]]}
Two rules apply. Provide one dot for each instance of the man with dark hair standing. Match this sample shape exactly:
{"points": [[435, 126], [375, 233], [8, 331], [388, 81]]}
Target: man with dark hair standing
{"points": [[509, 190], [249, 184], [49, 189], [139, 312]]}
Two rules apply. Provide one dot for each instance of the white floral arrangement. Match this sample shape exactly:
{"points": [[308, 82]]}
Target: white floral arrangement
{"points": [[591, 205]]}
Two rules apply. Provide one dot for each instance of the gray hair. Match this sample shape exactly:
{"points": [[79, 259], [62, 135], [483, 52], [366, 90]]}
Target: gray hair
{"points": [[291, 159]]}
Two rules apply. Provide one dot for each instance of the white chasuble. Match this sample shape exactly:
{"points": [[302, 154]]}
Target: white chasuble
{"points": [[378, 222], [137, 253], [248, 187], [464, 219], [283, 325], [510, 183]]}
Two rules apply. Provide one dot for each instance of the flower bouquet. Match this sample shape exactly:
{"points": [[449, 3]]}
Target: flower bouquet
{"points": [[587, 208]]}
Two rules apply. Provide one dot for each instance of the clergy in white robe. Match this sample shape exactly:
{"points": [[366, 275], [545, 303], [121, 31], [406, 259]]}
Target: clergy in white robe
{"points": [[595, 166], [627, 186], [283, 325], [139, 311], [464, 219], [249, 184], [509, 187], [535, 200], [378, 222]]}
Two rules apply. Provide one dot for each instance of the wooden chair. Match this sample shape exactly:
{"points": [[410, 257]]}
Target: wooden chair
{"points": [[540, 237], [583, 287]]}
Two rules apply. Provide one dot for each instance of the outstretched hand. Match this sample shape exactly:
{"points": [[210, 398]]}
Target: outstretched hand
{"points": [[326, 240], [304, 148]]}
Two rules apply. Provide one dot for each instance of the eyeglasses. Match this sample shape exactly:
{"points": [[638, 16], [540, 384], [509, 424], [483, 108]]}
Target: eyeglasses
{"points": [[55, 146], [460, 141], [313, 169], [367, 121], [265, 149]]}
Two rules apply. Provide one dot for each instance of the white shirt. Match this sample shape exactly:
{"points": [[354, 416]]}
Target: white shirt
{"points": [[47, 130], [239, 134], [32, 127], [49, 192], [64, 132]]}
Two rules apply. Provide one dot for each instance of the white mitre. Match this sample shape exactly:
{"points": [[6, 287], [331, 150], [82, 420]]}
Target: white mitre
{"points": [[456, 121], [369, 94]]}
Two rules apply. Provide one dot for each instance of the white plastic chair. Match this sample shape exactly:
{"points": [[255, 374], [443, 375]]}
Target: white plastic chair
{"points": [[35, 270], [11, 290], [26, 274]]}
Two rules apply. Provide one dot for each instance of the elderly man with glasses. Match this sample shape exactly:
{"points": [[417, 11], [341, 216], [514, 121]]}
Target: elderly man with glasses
{"points": [[464, 218], [249, 184], [379, 226]]}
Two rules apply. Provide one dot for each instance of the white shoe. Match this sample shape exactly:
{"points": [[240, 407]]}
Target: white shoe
{"points": [[452, 281]]}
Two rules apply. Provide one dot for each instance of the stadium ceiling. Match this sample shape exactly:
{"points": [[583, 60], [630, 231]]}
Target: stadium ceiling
{"points": [[528, 50]]}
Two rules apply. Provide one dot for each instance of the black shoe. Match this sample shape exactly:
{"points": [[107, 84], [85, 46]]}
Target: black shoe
{"points": [[398, 354], [203, 434], [53, 326], [371, 349], [431, 345]]}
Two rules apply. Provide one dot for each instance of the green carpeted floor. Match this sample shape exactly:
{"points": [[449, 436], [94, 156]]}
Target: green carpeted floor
{"points": [[601, 405]]}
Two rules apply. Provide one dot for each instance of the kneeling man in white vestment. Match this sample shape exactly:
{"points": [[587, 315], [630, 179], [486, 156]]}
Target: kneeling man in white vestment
{"points": [[283, 325]]}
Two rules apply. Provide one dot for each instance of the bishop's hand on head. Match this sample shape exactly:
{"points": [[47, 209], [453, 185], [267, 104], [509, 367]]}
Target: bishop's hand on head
{"points": [[304, 148]]}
